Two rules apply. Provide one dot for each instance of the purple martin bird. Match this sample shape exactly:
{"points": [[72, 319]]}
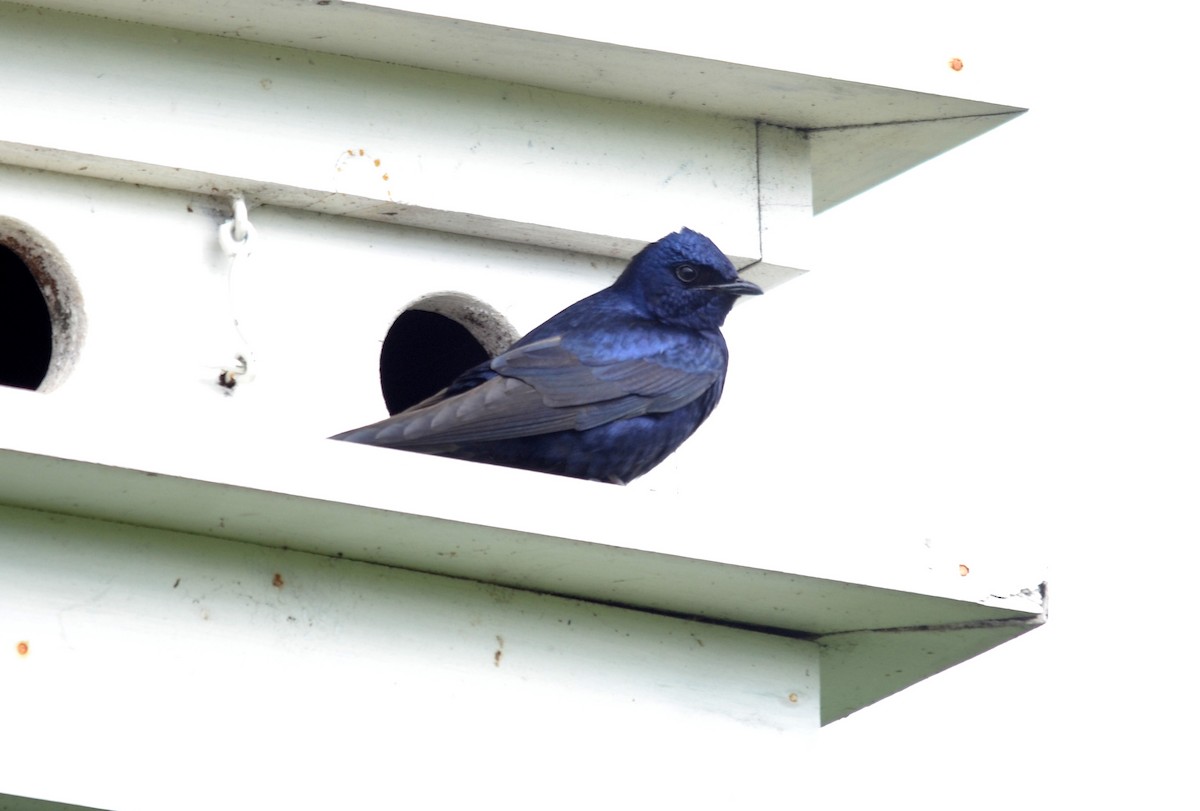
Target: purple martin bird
{"points": [[604, 390]]}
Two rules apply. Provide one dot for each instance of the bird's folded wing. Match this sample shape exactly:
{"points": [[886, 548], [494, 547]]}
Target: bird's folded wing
{"points": [[544, 387], [600, 391]]}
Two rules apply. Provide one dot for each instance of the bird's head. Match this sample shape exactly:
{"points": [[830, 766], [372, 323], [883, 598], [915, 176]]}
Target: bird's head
{"points": [[685, 280]]}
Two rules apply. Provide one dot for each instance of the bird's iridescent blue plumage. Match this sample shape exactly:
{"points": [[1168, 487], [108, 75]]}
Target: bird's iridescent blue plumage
{"points": [[606, 389]]}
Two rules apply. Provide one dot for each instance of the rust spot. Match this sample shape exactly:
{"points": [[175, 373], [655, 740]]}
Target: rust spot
{"points": [[377, 162], [963, 570], [499, 651], [23, 648], [277, 581], [792, 697], [956, 64]]}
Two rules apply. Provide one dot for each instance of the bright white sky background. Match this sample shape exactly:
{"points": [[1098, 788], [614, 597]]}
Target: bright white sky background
{"points": [[999, 349]]}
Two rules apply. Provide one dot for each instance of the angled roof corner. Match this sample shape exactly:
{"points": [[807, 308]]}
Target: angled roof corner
{"points": [[863, 133]]}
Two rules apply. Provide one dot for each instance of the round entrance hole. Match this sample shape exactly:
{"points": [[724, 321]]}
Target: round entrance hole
{"points": [[25, 333], [434, 341], [41, 322]]}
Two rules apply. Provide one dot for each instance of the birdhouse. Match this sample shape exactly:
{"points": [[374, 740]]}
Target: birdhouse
{"points": [[230, 231]]}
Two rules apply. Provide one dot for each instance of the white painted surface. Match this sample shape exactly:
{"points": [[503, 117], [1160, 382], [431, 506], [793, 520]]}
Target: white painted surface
{"points": [[350, 136], [653, 138], [165, 670], [821, 82]]}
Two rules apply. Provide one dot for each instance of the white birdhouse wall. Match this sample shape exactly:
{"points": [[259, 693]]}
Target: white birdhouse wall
{"points": [[167, 310]]}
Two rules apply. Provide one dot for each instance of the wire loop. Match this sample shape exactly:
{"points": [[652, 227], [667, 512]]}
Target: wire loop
{"points": [[237, 234]]}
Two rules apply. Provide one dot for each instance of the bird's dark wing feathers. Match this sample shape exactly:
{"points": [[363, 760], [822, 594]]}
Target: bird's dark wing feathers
{"points": [[543, 386]]}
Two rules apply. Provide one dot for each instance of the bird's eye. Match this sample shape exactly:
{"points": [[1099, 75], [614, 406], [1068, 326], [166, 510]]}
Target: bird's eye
{"points": [[686, 273]]}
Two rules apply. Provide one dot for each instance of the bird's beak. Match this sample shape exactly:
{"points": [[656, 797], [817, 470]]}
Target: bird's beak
{"points": [[739, 287]]}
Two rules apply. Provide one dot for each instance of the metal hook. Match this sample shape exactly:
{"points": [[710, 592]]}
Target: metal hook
{"points": [[235, 235]]}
